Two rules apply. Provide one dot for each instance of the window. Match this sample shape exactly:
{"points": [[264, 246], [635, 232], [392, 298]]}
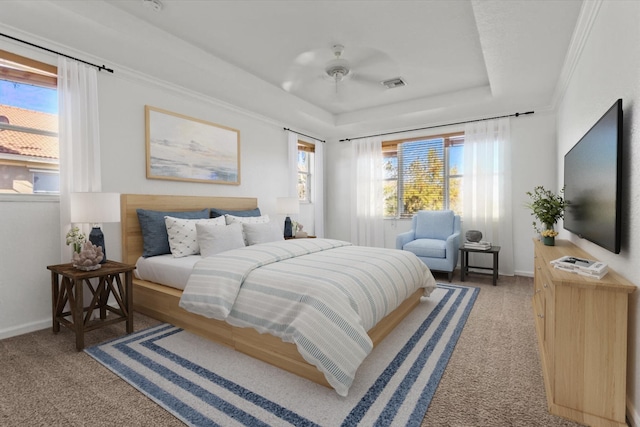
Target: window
{"points": [[28, 126], [422, 173], [306, 152]]}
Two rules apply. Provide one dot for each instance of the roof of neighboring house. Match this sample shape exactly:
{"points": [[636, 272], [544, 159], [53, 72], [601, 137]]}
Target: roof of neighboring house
{"points": [[29, 144]]}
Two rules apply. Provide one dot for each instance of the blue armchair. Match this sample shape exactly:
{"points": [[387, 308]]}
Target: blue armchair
{"points": [[435, 238]]}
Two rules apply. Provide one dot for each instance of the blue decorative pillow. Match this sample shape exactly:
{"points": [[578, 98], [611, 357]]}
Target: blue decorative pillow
{"points": [[221, 212], [155, 239]]}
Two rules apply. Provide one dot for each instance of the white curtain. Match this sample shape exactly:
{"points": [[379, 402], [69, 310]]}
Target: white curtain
{"points": [[292, 150], [487, 186], [317, 194], [79, 138], [367, 227]]}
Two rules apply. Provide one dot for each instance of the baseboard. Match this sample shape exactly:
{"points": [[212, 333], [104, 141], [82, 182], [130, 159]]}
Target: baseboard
{"points": [[524, 273], [633, 417], [25, 329], [41, 324]]}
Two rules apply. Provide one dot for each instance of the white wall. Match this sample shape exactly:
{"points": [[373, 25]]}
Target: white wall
{"points": [[608, 70], [30, 241], [122, 98], [533, 154], [533, 151]]}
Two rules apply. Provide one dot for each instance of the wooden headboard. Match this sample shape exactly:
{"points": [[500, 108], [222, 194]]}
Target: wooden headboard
{"points": [[131, 234]]}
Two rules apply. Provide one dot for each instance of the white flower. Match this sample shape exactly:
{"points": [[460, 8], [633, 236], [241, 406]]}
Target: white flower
{"points": [[75, 237]]}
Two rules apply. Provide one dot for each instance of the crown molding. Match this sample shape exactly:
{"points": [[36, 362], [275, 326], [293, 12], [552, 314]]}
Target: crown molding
{"points": [[584, 25]]}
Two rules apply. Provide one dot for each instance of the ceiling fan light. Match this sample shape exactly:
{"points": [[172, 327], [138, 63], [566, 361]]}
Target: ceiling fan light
{"points": [[338, 69], [338, 73]]}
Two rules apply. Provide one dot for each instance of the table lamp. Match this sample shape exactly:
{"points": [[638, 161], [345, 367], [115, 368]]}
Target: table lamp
{"points": [[288, 206], [95, 209]]}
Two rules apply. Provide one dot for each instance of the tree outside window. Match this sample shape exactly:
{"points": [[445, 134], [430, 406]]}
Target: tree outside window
{"points": [[422, 174]]}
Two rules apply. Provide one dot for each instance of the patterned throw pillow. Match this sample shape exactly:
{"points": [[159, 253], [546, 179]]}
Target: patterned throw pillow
{"points": [[154, 230], [183, 237]]}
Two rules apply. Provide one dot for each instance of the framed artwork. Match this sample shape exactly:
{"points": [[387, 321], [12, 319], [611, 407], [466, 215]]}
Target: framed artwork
{"points": [[182, 148]]}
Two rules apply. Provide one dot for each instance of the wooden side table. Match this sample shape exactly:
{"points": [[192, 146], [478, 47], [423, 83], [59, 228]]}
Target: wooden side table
{"points": [[67, 283], [464, 261]]}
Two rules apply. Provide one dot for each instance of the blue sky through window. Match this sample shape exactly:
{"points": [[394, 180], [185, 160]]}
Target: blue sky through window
{"points": [[29, 97], [455, 158]]}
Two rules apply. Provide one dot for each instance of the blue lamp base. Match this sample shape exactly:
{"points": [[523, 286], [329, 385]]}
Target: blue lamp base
{"points": [[97, 238], [288, 227]]}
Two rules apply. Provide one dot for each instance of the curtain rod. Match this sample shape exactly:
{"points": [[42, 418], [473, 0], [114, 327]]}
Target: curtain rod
{"points": [[99, 67], [438, 126], [308, 136]]}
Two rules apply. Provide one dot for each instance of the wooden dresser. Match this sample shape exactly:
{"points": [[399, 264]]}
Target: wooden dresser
{"points": [[582, 335]]}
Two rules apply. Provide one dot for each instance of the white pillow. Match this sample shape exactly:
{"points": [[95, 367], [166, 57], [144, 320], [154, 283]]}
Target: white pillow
{"points": [[262, 233], [183, 238], [214, 239], [246, 219]]}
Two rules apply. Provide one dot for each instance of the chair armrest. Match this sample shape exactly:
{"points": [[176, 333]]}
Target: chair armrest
{"points": [[404, 238], [453, 245]]}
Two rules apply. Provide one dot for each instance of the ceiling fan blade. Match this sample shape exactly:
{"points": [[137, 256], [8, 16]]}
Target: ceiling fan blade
{"points": [[309, 79], [364, 87], [314, 58], [368, 60], [300, 80]]}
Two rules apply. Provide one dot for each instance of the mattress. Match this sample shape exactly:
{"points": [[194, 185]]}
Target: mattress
{"points": [[166, 269]]}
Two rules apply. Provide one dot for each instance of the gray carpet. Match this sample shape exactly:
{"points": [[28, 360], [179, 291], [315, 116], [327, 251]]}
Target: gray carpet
{"points": [[493, 377]]}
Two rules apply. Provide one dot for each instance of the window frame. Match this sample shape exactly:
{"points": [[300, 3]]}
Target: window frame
{"points": [[309, 148], [390, 149], [36, 73]]}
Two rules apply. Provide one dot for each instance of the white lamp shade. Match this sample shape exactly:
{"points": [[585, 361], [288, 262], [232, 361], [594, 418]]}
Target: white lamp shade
{"points": [[288, 205], [95, 208]]}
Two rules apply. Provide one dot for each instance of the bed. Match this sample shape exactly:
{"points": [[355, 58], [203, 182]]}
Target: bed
{"points": [[163, 302]]}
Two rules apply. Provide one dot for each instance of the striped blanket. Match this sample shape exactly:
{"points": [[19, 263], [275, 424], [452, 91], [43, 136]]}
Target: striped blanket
{"points": [[321, 294]]}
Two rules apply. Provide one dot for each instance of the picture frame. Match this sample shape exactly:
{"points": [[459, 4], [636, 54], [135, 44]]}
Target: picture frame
{"points": [[182, 148]]}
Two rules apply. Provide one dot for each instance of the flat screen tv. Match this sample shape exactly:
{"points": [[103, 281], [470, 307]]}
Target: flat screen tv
{"points": [[592, 182]]}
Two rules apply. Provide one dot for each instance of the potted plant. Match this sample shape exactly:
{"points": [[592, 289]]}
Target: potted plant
{"points": [[548, 208]]}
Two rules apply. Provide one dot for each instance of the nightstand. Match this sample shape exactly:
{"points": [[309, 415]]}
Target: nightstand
{"points": [[464, 261], [113, 279]]}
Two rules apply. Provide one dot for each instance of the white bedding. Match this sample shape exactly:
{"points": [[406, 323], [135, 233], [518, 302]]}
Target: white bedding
{"points": [[321, 294], [166, 269]]}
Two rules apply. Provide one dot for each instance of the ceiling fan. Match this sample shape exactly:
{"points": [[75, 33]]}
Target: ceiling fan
{"points": [[338, 68], [360, 75]]}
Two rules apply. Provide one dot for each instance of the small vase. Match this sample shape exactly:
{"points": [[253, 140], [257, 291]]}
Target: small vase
{"points": [[549, 241]]}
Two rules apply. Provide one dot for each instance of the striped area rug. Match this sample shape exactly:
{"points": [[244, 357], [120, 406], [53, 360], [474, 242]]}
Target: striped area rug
{"points": [[206, 384]]}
